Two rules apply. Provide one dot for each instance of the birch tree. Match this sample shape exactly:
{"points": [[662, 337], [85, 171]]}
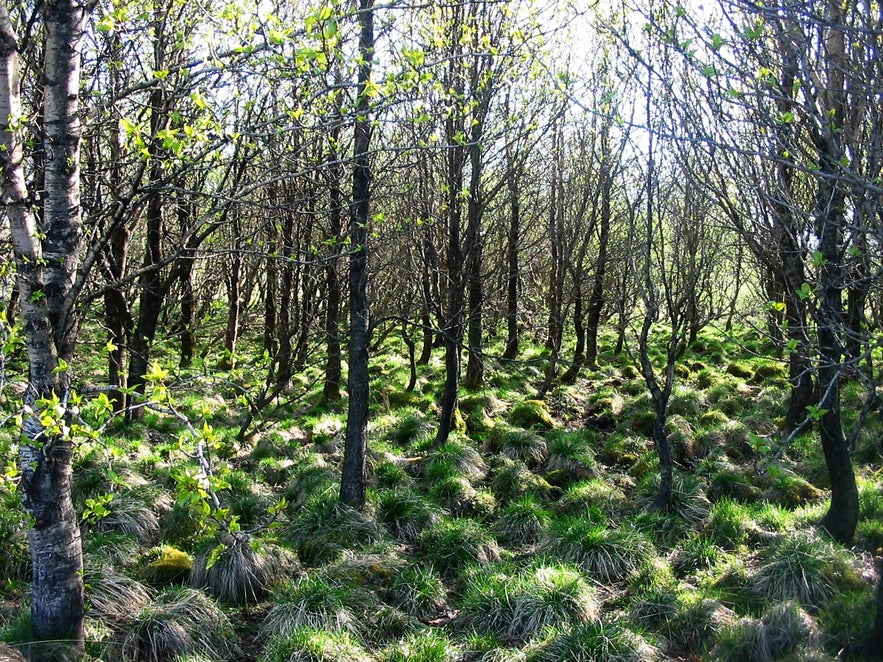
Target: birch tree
{"points": [[47, 254]]}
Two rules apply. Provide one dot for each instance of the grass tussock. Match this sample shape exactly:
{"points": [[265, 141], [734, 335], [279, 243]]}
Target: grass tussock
{"points": [[180, 621], [517, 604]]}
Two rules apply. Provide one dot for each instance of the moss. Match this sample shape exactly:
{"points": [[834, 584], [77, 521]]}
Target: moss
{"points": [[740, 369], [792, 491], [769, 371], [171, 566], [531, 413]]}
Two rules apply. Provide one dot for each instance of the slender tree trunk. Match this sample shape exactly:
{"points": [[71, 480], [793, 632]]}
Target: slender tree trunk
{"points": [[116, 315], [453, 327], [283, 313], [150, 283], [579, 329], [270, 334], [353, 481], [430, 300], [556, 248], [188, 309], [842, 516], [596, 298], [46, 265], [334, 357], [474, 242], [232, 280], [513, 237]]}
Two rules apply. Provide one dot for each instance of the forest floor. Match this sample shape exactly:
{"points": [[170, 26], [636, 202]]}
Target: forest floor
{"points": [[527, 536]]}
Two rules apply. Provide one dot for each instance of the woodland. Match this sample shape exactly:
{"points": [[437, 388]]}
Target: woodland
{"points": [[482, 330]]}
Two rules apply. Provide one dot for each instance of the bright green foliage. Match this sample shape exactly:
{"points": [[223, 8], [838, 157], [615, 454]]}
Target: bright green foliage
{"points": [[325, 528], [428, 645], [531, 413], [522, 521], [801, 566]]}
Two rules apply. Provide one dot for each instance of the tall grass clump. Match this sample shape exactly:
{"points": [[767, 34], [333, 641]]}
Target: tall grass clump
{"points": [[110, 594], [425, 645], [801, 566], [522, 521], [459, 455], [688, 499], [783, 630], [404, 512], [449, 545], [325, 527], [597, 494], [180, 621], [318, 601], [311, 644], [730, 523], [516, 605], [240, 570], [608, 554], [595, 641], [418, 591]]}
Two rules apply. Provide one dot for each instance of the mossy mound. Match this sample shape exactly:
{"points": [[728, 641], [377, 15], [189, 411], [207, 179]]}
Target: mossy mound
{"points": [[170, 567], [531, 414]]}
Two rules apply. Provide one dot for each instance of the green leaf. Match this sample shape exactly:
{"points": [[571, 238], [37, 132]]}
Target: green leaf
{"points": [[105, 24], [717, 41], [805, 292]]}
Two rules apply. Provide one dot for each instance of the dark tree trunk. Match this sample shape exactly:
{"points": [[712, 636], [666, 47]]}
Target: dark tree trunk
{"points": [[333, 360], [842, 516], [188, 309], [270, 334], [116, 315], [283, 314], [430, 299], [513, 237], [873, 645], [151, 293], [232, 281], [579, 351], [596, 298], [453, 324], [353, 481], [412, 363], [474, 242]]}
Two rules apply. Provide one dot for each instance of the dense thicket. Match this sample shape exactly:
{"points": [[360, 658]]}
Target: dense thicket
{"points": [[263, 187]]}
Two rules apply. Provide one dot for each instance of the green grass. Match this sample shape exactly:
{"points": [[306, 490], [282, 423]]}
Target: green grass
{"points": [[450, 545], [517, 604], [607, 554]]}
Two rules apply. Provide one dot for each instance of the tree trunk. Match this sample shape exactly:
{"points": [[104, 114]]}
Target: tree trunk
{"points": [[150, 283], [596, 298], [232, 281], [333, 355], [842, 516], [46, 266], [188, 310], [474, 242], [430, 300], [456, 160], [513, 236], [353, 481]]}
